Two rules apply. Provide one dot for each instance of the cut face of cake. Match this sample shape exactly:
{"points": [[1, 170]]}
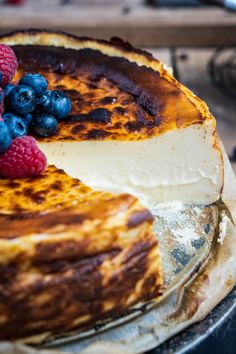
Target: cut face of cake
{"points": [[71, 255]]}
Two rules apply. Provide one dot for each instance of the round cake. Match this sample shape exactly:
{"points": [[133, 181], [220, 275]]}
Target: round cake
{"points": [[76, 253]]}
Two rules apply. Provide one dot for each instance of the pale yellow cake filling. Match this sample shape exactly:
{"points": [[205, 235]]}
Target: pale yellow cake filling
{"points": [[178, 165]]}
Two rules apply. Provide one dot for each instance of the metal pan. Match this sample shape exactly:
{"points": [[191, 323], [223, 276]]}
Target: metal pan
{"points": [[186, 341]]}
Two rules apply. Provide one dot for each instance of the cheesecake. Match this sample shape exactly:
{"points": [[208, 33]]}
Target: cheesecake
{"points": [[71, 255]]}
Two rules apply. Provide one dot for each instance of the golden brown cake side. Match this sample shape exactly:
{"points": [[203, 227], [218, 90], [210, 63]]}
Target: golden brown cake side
{"points": [[75, 265]]}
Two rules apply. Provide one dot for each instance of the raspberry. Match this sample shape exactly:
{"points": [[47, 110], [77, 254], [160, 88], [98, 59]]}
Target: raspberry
{"points": [[1, 101], [22, 159], [8, 63]]}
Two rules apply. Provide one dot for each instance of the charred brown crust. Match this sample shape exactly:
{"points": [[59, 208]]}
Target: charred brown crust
{"points": [[72, 258], [151, 111], [39, 306], [148, 99], [11, 226], [139, 217], [115, 41]]}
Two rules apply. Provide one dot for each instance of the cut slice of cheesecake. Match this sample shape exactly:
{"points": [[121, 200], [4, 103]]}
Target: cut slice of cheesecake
{"points": [[71, 256], [133, 127]]}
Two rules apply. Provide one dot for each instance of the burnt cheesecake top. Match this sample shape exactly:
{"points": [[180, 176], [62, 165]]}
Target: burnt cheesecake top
{"points": [[112, 96]]}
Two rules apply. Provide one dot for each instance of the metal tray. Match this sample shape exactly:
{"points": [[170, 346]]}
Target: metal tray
{"points": [[186, 341]]}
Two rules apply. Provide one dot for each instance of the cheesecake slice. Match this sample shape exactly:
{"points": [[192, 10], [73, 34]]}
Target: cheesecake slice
{"points": [[133, 127], [71, 256]]}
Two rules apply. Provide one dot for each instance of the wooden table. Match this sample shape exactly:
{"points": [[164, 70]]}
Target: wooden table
{"points": [[141, 25]]}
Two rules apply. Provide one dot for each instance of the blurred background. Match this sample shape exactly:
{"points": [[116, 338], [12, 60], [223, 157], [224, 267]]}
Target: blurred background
{"points": [[196, 38]]}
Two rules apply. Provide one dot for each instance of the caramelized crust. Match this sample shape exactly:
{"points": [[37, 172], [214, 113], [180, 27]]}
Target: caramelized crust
{"points": [[71, 258], [142, 99], [51, 191]]}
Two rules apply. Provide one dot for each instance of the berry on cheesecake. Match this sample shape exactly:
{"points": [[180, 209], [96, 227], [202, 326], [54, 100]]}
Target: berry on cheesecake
{"points": [[21, 99], [22, 159], [45, 125], [16, 125], [7, 89], [29, 107], [43, 102], [28, 118], [36, 81], [5, 137], [8, 64], [61, 104], [1, 101]]}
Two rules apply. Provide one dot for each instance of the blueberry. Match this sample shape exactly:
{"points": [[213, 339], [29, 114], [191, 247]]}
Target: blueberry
{"points": [[16, 125], [43, 102], [36, 81], [7, 90], [28, 118], [5, 137], [21, 100], [1, 97], [61, 105], [45, 125]]}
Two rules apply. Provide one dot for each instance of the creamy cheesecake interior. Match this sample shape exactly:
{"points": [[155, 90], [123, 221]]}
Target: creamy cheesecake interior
{"points": [[179, 165]]}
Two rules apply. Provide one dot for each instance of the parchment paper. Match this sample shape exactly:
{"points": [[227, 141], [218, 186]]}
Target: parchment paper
{"points": [[187, 301]]}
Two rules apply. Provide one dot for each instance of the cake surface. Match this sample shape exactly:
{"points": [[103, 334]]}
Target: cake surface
{"points": [[139, 102], [133, 130], [71, 256]]}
